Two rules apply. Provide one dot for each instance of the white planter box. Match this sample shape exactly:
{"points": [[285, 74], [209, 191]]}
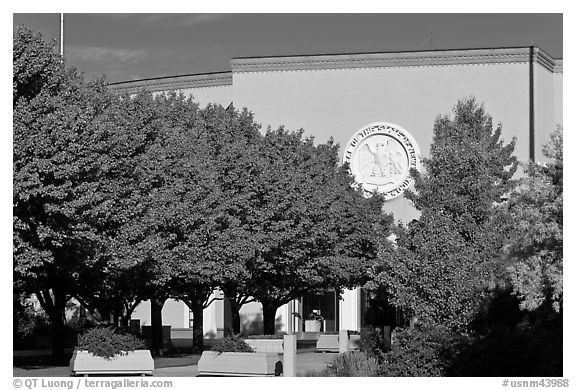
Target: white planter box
{"points": [[238, 363], [135, 362], [266, 345], [312, 326]]}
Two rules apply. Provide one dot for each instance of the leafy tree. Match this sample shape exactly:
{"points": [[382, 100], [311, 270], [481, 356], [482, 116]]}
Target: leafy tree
{"points": [[84, 169], [311, 229], [535, 248], [117, 283], [58, 153], [164, 207], [36, 67], [184, 234], [444, 261], [234, 140]]}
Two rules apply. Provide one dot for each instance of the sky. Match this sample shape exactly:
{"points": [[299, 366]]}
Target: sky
{"points": [[135, 46]]}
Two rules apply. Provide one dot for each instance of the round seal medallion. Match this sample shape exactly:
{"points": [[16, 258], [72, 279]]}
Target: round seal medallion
{"points": [[380, 157]]}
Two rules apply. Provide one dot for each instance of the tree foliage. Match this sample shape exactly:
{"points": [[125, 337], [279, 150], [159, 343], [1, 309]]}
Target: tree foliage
{"points": [[58, 154], [535, 250], [444, 261], [118, 199], [311, 229], [233, 138]]}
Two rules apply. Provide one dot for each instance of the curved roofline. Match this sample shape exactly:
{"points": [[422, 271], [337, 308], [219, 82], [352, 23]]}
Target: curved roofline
{"points": [[169, 77], [198, 80]]}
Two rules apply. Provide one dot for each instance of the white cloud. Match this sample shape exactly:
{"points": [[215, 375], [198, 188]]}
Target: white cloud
{"points": [[114, 55], [170, 19], [191, 19], [95, 53]]}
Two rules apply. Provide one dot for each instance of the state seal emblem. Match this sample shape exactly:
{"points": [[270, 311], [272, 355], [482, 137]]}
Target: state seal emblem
{"points": [[380, 157]]}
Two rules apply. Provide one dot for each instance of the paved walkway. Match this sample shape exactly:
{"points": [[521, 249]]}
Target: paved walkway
{"points": [[305, 362]]}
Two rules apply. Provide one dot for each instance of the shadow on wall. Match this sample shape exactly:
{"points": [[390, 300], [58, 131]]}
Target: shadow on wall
{"points": [[253, 323]]}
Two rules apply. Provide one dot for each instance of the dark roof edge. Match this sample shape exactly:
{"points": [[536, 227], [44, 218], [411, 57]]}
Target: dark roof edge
{"points": [[198, 80], [396, 59], [395, 52]]}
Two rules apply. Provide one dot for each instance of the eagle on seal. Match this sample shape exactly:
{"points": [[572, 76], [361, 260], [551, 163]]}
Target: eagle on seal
{"points": [[379, 161]]}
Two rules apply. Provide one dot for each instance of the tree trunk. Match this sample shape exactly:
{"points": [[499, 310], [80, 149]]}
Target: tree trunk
{"points": [[231, 315], [233, 300], [104, 313], [156, 323], [127, 309], [125, 321], [116, 318], [58, 334], [235, 316], [197, 309], [269, 316], [55, 307]]}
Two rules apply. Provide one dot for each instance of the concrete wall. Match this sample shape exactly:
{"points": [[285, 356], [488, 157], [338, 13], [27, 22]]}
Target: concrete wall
{"points": [[174, 313], [546, 115], [336, 103], [177, 314], [216, 94], [557, 80]]}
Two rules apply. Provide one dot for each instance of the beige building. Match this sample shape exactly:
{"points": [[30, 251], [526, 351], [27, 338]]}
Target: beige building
{"points": [[338, 95]]}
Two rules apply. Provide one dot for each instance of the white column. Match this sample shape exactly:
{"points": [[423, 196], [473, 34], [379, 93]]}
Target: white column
{"points": [[297, 320], [350, 310], [289, 364], [343, 341]]}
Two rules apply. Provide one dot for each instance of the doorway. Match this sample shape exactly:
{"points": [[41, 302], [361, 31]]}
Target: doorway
{"points": [[323, 308]]}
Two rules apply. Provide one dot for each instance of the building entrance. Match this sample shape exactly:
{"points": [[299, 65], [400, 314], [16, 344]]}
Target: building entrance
{"points": [[320, 312]]}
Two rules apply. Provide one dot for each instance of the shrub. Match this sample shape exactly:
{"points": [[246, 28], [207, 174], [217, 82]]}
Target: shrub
{"points": [[351, 364], [425, 351], [231, 344], [107, 343], [506, 351], [374, 343], [26, 320]]}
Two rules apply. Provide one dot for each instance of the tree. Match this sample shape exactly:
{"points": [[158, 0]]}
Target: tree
{"points": [[116, 283], [234, 140], [535, 248], [311, 229], [182, 217], [444, 261], [164, 207], [82, 180], [57, 160]]}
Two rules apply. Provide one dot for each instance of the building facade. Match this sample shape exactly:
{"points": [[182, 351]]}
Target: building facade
{"points": [[340, 95]]}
